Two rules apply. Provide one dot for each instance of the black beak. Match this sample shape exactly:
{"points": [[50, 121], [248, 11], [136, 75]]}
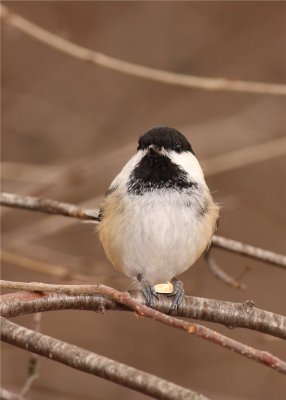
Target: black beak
{"points": [[154, 150]]}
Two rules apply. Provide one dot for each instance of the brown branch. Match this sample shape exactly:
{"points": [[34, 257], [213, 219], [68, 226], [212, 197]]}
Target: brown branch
{"points": [[47, 206], [219, 273], [7, 395], [244, 156], [70, 210], [247, 250], [144, 311], [233, 315], [93, 363], [58, 271], [34, 361], [115, 64]]}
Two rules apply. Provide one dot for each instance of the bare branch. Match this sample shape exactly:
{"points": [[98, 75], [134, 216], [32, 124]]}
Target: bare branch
{"points": [[70, 210], [34, 361], [234, 315], [247, 250], [242, 157], [7, 395], [144, 311], [115, 64], [221, 274], [58, 271], [47, 206], [93, 363]]}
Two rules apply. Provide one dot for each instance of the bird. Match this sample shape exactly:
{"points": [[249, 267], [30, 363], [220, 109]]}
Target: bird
{"points": [[158, 215]]}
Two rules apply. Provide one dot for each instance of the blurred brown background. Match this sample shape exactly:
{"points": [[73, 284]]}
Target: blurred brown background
{"points": [[67, 129]]}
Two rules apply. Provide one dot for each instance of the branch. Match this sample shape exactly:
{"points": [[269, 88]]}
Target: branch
{"points": [[247, 250], [47, 206], [93, 363], [115, 64], [232, 315], [144, 311], [70, 210], [221, 274], [57, 271], [242, 315], [34, 361], [7, 395]]}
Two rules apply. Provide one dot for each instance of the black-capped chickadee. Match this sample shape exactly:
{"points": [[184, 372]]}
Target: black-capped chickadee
{"points": [[158, 215]]}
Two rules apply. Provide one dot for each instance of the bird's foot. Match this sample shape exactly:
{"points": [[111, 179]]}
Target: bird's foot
{"points": [[178, 293], [148, 291]]}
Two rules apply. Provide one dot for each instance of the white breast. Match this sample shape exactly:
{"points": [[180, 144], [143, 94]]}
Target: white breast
{"points": [[159, 234]]}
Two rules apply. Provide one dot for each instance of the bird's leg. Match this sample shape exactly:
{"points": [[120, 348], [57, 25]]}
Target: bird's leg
{"points": [[178, 293], [147, 290]]}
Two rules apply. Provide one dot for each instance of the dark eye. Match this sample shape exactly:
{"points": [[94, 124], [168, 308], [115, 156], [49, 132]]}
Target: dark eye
{"points": [[178, 147]]}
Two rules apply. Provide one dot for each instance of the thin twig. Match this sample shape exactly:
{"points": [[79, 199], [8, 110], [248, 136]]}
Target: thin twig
{"points": [[93, 363], [58, 271], [219, 273], [247, 250], [34, 361], [70, 210], [7, 395], [144, 311], [115, 64], [47, 206], [242, 157]]}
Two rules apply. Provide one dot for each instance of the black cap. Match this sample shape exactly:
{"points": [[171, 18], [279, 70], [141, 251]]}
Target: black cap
{"points": [[169, 138]]}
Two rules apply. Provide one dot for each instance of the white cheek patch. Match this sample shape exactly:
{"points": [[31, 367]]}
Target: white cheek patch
{"points": [[123, 176], [189, 163]]}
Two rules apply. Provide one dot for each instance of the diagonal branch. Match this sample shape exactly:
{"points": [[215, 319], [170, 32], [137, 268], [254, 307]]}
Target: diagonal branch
{"points": [[125, 299], [55, 207], [93, 363], [139, 71], [219, 273]]}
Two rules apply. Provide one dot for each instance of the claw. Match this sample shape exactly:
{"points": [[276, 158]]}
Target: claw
{"points": [[178, 293], [148, 291]]}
